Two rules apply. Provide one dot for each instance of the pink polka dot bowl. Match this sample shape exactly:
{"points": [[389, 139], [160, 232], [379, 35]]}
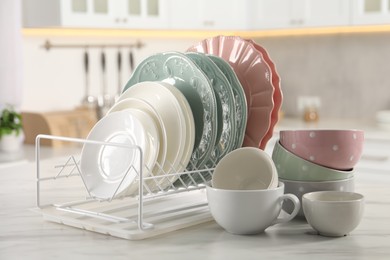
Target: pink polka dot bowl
{"points": [[337, 149], [293, 167]]}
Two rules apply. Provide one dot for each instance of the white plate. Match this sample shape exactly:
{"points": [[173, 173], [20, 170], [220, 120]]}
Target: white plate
{"points": [[103, 167], [136, 103], [168, 106], [190, 129]]}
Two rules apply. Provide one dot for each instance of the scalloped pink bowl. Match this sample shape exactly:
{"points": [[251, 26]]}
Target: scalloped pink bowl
{"points": [[337, 149]]}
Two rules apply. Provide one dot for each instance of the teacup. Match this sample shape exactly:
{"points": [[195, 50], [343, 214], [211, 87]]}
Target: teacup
{"points": [[246, 212], [333, 213], [246, 168]]}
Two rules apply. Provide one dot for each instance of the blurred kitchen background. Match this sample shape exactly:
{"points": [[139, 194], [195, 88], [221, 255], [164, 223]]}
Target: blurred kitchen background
{"points": [[335, 51]]}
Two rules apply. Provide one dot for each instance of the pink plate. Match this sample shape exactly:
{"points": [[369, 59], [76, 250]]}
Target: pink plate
{"points": [[255, 77], [278, 96]]}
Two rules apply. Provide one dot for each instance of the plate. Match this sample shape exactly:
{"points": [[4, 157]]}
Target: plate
{"points": [[239, 98], [190, 123], [254, 76], [104, 167], [178, 70], [277, 97], [143, 105], [178, 123], [226, 133]]}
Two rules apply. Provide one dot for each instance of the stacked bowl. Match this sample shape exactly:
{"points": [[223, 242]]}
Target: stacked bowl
{"points": [[317, 160]]}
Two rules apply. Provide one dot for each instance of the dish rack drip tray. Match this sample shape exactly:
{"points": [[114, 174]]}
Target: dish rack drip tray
{"points": [[63, 197]]}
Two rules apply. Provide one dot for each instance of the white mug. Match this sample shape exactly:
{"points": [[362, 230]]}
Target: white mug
{"points": [[245, 212]]}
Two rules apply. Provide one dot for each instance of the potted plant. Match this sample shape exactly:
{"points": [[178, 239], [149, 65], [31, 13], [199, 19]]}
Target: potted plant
{"points": [[11, 130]]}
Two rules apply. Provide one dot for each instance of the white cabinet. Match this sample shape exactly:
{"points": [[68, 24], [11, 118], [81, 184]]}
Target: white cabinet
{"points": [[208, 14], [370, 12], [135, 14], [267, 14]]}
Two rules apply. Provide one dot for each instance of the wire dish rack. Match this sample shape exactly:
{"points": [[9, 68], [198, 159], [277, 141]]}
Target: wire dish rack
{"points": [[63, 197]]}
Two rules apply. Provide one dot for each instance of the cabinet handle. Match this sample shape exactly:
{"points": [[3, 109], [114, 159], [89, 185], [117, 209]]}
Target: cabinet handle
{"points": [[208, 23]]}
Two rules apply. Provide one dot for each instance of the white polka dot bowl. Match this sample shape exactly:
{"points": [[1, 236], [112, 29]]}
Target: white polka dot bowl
{"points": [[333, 213], [337, 149], [292, 167], [299, 188]]}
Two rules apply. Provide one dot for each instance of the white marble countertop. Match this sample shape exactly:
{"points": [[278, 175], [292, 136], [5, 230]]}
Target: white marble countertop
{"points": [[25, 235]]}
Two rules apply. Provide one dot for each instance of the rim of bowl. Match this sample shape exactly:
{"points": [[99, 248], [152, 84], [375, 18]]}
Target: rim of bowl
{"points": [[322, 182], [322, 130], [280, 186], [295, 157], [318, 196]]}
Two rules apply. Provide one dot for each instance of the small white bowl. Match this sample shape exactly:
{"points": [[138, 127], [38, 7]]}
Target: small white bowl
{"points": [[299, 188], [245, 168], [333, 213]]}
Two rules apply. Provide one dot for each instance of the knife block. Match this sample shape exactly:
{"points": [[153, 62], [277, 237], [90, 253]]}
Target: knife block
{"points": [[74, 123]]}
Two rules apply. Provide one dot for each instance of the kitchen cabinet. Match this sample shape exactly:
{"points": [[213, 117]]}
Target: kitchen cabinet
{"points": [[298, 13], [131, 14], [365, 12], [209, 15]]}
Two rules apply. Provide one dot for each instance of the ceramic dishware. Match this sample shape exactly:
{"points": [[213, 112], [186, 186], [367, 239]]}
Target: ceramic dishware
{"points": [[292, 167], [246, 168], [179, 71], [135, 103], [240, 103], [333, 213], [109, 171], [245, 212], [337, 149], [278, 95], [255, 77], [176, 116], [299, 188], [226, 113]]}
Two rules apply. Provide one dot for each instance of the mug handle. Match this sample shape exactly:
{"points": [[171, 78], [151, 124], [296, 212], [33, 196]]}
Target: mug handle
{"points": [[297, 205]]}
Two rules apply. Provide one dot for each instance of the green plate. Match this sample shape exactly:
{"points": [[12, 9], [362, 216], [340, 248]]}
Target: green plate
{"points": [[226, 113], [240, 102], [178, 70]]}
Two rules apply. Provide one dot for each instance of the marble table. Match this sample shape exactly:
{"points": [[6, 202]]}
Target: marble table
{"points": [[25, 235]]}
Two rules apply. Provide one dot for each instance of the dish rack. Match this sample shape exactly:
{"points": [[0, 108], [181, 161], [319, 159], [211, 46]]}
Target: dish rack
{"points": [[63, 197]]}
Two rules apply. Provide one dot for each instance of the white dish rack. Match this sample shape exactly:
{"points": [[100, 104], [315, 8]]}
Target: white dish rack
{"points": [[63, 197]]}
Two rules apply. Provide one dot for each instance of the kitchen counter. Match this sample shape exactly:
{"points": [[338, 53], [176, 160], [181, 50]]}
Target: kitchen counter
{"points": [[25, 235]]}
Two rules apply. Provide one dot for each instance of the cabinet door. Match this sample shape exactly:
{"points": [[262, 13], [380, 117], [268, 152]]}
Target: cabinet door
{"points": [[184, 14], [134, 14], [85, 13], [271, 14], [209, 14], [327, 13], [299, 13], [223, 15], [370, 12]]}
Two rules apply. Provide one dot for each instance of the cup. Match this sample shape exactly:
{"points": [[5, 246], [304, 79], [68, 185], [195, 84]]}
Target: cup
{"points": [[333, 213], [246, 212], [246, 168]]}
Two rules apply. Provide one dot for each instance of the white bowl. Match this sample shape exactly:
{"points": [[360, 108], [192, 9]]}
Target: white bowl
{"points": [[333, 213], [245, 168], [299, 188]]}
